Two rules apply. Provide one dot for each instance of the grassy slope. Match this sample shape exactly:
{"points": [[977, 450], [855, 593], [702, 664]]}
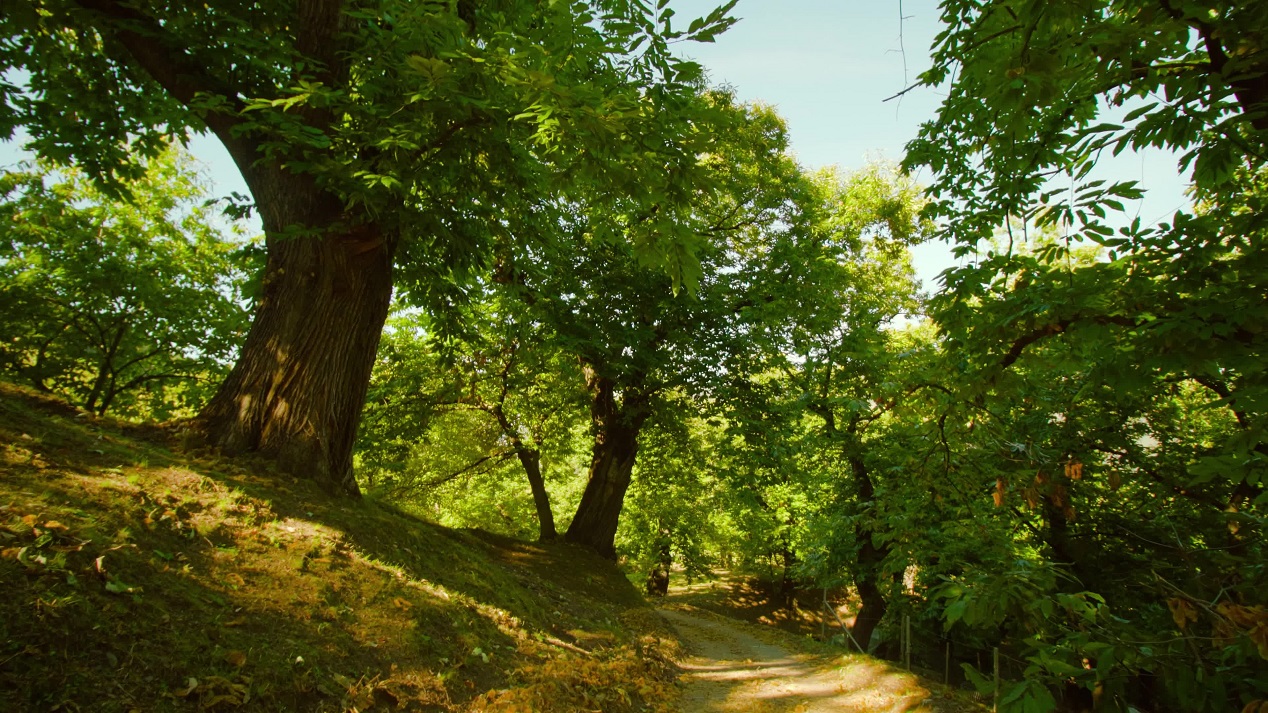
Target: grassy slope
{"points": [[137, 576]]}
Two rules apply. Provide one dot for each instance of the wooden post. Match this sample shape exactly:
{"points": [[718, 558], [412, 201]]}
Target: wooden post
{"points": [[995, 705], [946, 671], [907, 639], [823, 621]]}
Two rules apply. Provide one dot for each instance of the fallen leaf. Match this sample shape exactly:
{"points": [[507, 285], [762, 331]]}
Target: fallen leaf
{"points": [[114, 586], [342, 680], [1182, 612]]}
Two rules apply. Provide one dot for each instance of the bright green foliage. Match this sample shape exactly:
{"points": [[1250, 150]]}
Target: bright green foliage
{"points": [[608, 306], [445, 120], [593, 296], [431, 436], [676, 509], [1110, 373], [813, 415], [130, 307], [386, 144]]}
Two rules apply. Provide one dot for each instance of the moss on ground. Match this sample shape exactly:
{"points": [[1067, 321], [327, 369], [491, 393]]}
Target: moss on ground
{"points": [[136, 575]]}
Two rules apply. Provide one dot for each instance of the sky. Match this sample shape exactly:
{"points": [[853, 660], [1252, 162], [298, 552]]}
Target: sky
{"points": [[827, 66]]}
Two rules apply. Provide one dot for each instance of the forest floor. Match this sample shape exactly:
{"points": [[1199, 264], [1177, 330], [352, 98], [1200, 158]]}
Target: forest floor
{"points": [[140, 573], [738, 666]]}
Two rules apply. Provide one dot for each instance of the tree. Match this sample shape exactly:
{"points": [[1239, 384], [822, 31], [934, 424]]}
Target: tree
{"points": [[1081, 347], [371, 136], [1043, 92], [497, 377], [635, 335], [838, 364], [130, 307]]}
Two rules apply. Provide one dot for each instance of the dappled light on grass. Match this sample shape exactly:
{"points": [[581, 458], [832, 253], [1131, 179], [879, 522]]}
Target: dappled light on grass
{"points": [[751, 599], [135, 577]]}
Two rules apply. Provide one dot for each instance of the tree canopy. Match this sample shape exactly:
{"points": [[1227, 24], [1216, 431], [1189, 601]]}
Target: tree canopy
{"points": [[410, 135], [622, 311], [131, 307]]}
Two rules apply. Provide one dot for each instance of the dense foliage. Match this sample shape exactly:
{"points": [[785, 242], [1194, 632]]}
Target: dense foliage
{"points": [[1115, 368], [632, 320], [384, 142], [130, 307]]}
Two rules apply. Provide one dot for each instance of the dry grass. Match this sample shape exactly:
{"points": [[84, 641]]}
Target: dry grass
{"points": [[137, 576]]}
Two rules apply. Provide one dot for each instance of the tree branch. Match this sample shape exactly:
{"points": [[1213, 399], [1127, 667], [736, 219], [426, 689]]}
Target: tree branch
{"points": [[168, 62], [468, 468]]}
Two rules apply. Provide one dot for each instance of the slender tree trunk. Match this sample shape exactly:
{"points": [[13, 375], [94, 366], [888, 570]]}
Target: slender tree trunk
{"points": [[531, 459], [296, 392], [105, 373], [616, 427], [787, 584], [658, 578]]}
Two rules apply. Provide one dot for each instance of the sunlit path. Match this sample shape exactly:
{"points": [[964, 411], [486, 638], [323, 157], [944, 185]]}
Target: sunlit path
{"points": [[731, 669]]}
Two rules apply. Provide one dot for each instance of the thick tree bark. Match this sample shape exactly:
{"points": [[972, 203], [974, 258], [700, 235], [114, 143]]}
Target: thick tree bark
{"points": [[871, 610], [296, 392], [867, 567], [616, 427]]}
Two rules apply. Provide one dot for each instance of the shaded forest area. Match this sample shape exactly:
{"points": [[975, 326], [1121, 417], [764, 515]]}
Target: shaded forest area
{"points": [[524, 270]]}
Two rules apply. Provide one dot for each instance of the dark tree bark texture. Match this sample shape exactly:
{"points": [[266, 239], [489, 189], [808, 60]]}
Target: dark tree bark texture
{"points": [[616, 423], [867, 567], [296, 392], [531, 459]]}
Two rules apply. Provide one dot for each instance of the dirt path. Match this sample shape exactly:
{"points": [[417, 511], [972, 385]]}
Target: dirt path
{"points": [[730, 668]]}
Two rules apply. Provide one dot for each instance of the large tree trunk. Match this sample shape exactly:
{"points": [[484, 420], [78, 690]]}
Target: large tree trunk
{"points": [[871, 610], [616, 427], [867, 566], [296, 392]]}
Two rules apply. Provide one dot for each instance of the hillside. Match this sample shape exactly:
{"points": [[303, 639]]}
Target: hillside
{"points": [[138, 575]]}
